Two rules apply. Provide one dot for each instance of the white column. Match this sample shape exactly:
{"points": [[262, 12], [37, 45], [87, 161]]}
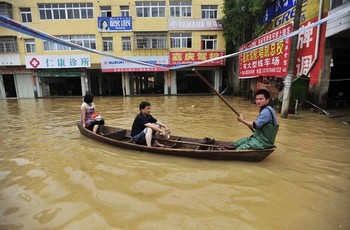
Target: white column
{"points": [[126, 84], [2, 88], [166, 91], [83, 81], [173, 83], [39, 88]]}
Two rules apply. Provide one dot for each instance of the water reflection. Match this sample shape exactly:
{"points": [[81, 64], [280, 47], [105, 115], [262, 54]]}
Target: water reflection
{"points": [[54, 178]]}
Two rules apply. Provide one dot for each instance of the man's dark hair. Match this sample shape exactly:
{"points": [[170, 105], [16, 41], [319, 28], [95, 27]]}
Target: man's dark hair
{"points": [[263, 91], [88, 98], [144, 104]]}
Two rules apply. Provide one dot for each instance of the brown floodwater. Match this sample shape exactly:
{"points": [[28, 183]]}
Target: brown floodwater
{"points": [[54, 178]]}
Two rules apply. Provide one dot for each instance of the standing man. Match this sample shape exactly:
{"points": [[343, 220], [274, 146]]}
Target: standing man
{"points": [[145, 126], [265, 126]]}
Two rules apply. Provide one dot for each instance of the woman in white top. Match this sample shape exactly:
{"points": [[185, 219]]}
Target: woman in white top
{"points": [[89, 118]]}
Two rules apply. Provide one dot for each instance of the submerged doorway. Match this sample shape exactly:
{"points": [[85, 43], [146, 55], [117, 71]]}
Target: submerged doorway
{"points": [[9, 85]]}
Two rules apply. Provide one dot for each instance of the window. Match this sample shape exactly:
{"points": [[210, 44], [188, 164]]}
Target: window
{"points": [[150, 9], [126, 43], [8, 44], [150, 40], [180, 9], [87, 41], [124, 11], [209, 42], [181, 40], [107, 43], [65, 11], [209, 11], [336, 3], [26, 15], [6, 9], [30, 45], [105, 11]]}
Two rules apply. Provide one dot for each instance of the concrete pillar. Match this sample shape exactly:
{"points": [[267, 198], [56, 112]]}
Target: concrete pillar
{"points": [[39, 88], [217, 79], [325, 75], [126, 83], [84, 83], [167, 81], [173, 88], [2, 88]]}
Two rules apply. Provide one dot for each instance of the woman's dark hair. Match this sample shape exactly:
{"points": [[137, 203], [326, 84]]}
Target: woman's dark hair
{"points": [[263, 91], [101, 23], [144, 104], [88, 98]]}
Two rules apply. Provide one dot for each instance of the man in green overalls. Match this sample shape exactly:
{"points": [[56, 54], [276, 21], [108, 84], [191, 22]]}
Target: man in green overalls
{"points": [[265, 126]]}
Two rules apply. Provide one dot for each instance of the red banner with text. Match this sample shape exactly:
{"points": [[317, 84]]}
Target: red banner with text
{"points": [[269, 60], [309, 58], [181, 58]]}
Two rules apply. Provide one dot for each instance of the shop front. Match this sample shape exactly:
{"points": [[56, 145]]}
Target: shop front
{"points": [[187, 82], [59, 82], [15, 80], [137, 79], [56, 75]]}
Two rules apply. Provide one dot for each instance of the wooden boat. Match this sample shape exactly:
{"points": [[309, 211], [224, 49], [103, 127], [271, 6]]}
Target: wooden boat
{"points": [[177, 146]]}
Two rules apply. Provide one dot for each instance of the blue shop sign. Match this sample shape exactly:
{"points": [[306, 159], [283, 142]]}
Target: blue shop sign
{"points": [[279, 7], [114, 24]]}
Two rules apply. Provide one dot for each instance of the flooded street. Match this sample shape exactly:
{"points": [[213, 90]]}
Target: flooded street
{"points": [[54, 178]]}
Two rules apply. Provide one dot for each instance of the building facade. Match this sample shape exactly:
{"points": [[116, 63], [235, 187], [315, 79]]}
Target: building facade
{"points": [[322, 52], [164, 33]]}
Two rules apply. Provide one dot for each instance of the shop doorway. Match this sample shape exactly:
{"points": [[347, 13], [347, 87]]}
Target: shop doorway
{"points": [[189, 83], [62, 86], [112, 84], [147, 83], [338, 93], [9, 85]]}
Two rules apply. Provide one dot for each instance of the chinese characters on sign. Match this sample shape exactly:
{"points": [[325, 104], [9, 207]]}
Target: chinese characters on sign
{"points": [[57, 61], [180, 58], [114, 24], [269, 60], [305, 54]]}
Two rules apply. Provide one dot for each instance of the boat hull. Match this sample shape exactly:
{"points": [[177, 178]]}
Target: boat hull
{"points": [[177, 146]]}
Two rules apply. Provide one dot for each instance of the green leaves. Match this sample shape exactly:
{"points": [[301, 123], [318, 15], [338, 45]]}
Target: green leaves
{"points": [[241, 20]]}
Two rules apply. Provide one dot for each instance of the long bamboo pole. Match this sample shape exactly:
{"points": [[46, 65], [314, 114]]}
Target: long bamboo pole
{"points": [[218, 94]]}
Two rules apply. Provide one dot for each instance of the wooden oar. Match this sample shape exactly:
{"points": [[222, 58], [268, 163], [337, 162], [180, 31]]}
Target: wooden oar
{"points": [[217, 93]]}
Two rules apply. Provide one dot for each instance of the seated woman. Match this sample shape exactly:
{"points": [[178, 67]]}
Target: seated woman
{"points": [[89, 118]]}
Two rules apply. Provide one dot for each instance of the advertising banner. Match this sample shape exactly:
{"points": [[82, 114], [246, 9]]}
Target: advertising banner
{"points": [[306, 52], [10, 59], [284, 12], [269, 60], [181, 58], [114, 24], [117, 65], [194, 24], [57, 61]]}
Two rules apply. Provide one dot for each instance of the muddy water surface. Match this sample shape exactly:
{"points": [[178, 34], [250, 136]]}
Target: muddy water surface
{"points": [[51, 177]]}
